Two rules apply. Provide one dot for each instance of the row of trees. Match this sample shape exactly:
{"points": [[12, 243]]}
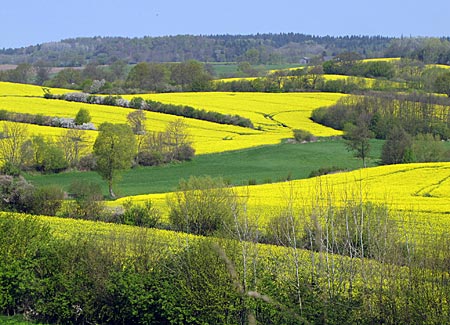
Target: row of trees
{"points": [[399, 147], [154, 106], [116, 78], [195, 76]]}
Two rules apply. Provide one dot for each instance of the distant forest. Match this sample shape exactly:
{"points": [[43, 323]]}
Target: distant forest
{"points": [[256, 49]]}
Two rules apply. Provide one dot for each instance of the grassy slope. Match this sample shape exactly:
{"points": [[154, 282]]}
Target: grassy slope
{"points": [[15, 320], [261, 164]]}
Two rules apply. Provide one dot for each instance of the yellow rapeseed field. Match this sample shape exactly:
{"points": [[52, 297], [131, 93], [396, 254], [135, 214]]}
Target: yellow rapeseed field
{"points": [[422, 188], [267, 111], [16, 89], [274, 115]]}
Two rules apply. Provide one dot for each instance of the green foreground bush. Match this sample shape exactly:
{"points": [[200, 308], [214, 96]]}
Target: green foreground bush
{"points": [[146, 276]]}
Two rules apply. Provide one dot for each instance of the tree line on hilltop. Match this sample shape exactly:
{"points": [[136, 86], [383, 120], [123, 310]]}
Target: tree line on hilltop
{"points": [[259, 48]]}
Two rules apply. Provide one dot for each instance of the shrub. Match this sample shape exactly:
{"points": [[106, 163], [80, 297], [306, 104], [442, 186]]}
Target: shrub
{"points": [[53, 160], [83, 116], [88, 202], [16, 194], [140, 215], [203, 206], [150, 158], [184, 152], [48, 200], [325, 171], [87, 163], [302, 135]]}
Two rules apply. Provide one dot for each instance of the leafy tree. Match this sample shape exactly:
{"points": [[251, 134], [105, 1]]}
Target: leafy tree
{"points": [[66, 78], [397, 148], [114, 150], [145, 215], [358, 139], [191, 76], [42, 70], [88, 201], [148, 76], [48, 200], [442, 84], [53, 159], [83, 116]]}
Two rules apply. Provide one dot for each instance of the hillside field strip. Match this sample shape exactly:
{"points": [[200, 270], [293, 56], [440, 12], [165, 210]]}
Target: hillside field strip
{"points": [[270, 112], [420, 190], [274, 115]]}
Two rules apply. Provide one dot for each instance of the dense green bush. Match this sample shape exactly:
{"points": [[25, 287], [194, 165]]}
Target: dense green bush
{"points": [[140, 215], [302, 135], [202, 206], [83, 116]]}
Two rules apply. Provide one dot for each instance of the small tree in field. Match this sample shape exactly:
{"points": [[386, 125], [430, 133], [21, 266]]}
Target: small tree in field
{"points": [[114, 150], [358, 139], [82, 117]]}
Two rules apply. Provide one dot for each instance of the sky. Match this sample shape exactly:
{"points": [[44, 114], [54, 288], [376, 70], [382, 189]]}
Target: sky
{"points": [[31, 22]]}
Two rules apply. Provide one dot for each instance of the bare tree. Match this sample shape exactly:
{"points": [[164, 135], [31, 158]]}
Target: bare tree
{"points": [[74, 144]]}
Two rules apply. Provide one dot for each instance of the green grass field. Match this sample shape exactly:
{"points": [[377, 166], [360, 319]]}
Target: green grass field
{"points": [[15, 320], [258, 165]]}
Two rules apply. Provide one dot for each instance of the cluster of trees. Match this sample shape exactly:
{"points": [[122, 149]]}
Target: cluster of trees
{"points": [[350, 64], [406, 141], [427, 50], [307, 79], [415, 113], [117, 77], [21, 151], [117, 147]]}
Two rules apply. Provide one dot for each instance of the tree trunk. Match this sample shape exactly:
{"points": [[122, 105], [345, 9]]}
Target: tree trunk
{"points": [[111, 192]]}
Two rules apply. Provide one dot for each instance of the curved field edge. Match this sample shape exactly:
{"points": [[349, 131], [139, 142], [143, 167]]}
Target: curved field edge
{"points": [[270, 112], [423, 189]]}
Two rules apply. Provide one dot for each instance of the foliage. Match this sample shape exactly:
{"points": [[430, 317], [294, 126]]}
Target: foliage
{"points": [[114, 150], [16, 194], [83, 116], [397, 148], [429, 148], [88, 201], [48, 200], [164, 147], [136, 119], [266, 48], [202, 206], [357, 139], [12, 144], [415, 113], [442, 84], [302, 135], [140, 215]]}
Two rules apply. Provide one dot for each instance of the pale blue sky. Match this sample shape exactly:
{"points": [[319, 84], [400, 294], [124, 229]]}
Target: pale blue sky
{"points": [[30, 22]]}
